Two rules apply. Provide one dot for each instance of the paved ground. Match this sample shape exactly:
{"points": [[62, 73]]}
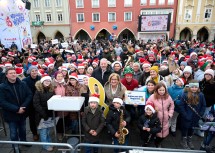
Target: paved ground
{"points": [[169, 142]]}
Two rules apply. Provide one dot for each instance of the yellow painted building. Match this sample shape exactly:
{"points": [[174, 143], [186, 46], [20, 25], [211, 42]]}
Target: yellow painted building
{"points": [[195, 20]]}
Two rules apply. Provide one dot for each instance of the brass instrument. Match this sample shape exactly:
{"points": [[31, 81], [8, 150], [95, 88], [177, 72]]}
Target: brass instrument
{"points": [[122, 131], [130, 59]]}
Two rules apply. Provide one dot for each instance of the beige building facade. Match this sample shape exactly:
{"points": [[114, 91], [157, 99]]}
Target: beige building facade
{"points": [[195, 20], [50, 20]]}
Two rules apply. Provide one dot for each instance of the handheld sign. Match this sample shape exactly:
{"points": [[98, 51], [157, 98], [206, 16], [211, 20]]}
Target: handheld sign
{"points": [[93, 83], [135, 97]]}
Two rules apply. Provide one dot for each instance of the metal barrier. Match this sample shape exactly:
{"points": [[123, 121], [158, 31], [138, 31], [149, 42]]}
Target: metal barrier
{"points": [[134, 148], [70, 148], [75, 150]]}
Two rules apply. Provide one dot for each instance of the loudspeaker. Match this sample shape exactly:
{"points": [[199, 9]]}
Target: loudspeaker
{"points": [[28, 5]]}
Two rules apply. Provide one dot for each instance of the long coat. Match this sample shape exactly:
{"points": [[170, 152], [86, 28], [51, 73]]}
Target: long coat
{"points": [[92, 121], [188, 117], [12, 97], [40, 99], [97, 74], [165, 110]]}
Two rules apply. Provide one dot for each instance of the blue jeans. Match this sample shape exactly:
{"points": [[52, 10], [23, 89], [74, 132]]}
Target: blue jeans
{"points": [[17, 131], [116, 142], [209, 138], [91, 149], [45, 137]]}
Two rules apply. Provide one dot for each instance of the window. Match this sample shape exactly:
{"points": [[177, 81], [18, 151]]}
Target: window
{"points": [[128, 3], [58, 3], [208, 13], [188, 14], [152, 2], [37, 17], [36, 3], [112, 17], [170, 2], [79, 3], [80, 17], [111, 3], [161, 2], [95, 3], [96, 17], [143, 2], [60, 17], [47, 3], [128, 16], [48, 17]]}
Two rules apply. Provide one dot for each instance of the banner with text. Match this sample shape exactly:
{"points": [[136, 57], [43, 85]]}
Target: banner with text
{"points": [[135, 97], [14, 24]]}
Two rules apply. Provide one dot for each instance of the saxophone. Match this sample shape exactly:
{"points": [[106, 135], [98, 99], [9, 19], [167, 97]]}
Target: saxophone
{"points": [[122, 131]]}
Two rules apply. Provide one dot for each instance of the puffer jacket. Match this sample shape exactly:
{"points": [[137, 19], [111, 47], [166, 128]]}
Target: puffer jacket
{"points": [[175, 92], [165, 111], [40, 99], [92, 121]]}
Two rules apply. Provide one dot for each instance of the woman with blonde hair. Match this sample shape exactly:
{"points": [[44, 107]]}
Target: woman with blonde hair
{"points": [[114, 88]]}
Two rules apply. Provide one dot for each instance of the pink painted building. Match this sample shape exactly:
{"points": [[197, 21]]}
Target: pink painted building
{"points": [[92, 19]]}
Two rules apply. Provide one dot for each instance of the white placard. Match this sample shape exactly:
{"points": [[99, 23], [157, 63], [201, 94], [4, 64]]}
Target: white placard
{"points": [[135, 97], [61, 50], [69, 51], [33, 46], [65, 45], [80, 78], [55, 41]]}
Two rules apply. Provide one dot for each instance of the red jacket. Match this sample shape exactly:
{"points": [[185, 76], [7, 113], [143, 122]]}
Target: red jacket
{"points": [[130, 85]]}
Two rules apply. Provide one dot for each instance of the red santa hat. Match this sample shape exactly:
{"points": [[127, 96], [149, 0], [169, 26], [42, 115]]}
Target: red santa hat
{"points": [[2, 65], [49, 60], [96, 62], [34, 64], [50, 64], [193, 53], [165, 61], [3, 58], [146, 64], [19, 70], [94, 98], [45, 78], [141, 60], [18, 65], [81, 66], [7, 64], [80, 58], [41, 72], [63, 68], [12, 54], [151, 106], [182, 80], [209, 59], [73, 76], [116, 62], [118, 100], [74, 65]]}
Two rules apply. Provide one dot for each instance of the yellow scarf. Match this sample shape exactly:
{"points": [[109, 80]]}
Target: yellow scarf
{"points": [[155, 79]]}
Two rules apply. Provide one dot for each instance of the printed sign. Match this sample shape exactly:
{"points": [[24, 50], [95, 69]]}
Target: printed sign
{"points": [[33, 46], [64, 45], [135, 97], [14, 24], [55, 41]]}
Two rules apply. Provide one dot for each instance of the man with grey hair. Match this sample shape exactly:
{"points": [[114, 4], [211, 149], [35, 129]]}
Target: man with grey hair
{"points": [[103, 72]]}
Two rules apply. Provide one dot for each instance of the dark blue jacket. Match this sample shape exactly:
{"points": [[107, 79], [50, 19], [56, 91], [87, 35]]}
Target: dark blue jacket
{"points": [[188, 116], [175, 92], [11, 103], [31, 83]]}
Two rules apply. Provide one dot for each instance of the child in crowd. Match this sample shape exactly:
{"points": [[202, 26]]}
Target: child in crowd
{"points": [[113, 121], [93, 122], [44, 92], [192, 107], [149, 124], [175, 91], [165, 105]]}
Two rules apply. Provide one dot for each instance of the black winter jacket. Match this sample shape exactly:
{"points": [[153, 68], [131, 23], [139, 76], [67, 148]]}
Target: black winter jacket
{"points": [[113, 119], [12, 97], [97, 74]]}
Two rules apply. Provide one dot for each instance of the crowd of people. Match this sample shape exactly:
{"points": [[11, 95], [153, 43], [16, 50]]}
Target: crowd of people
{"points": [[177, 78]]}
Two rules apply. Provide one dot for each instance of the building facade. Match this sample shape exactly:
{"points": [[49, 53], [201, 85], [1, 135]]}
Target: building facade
{"points": [[50, 19], [95, 19], [196, 20]]}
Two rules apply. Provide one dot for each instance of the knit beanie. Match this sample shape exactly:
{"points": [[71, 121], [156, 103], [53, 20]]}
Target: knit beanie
{"points": [[155, 68], [32, 67], [210, 71], [183, 63], [188, 69]]}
